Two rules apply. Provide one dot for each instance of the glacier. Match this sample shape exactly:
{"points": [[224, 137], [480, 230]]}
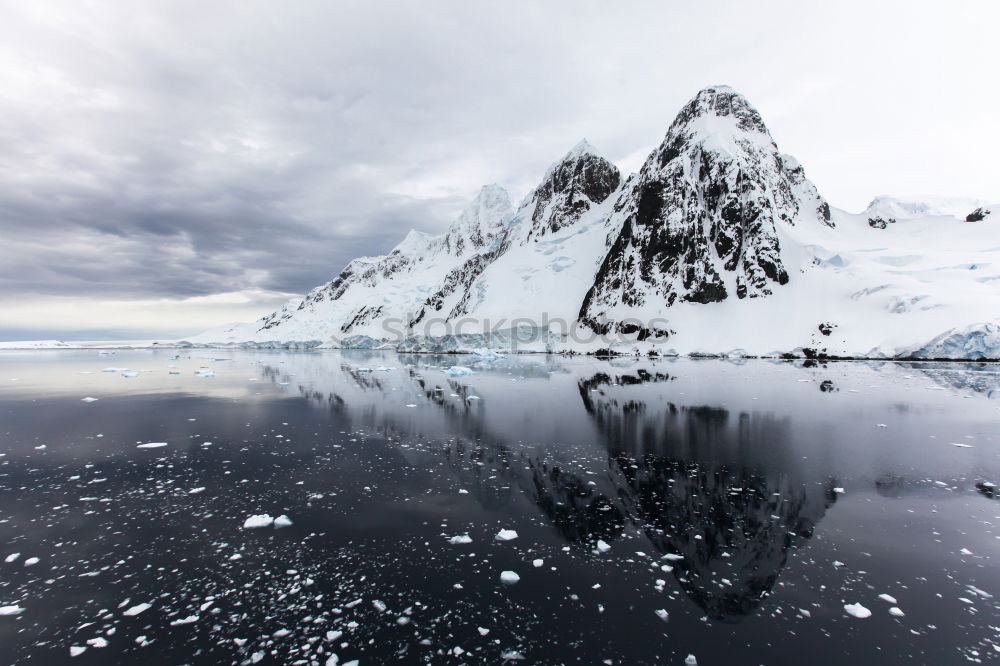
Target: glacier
{"points": [[718, 243]]}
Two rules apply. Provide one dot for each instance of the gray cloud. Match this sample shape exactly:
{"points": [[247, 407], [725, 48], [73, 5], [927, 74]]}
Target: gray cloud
{"points": [[180, 149]]}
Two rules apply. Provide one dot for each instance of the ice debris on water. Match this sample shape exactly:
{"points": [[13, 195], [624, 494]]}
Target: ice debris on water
{"points": [[88, 399], [690, 660], [602, 546], [11, 610], [857, 610], [76, 650], [662, 614], [138, 608], [464, 538], [257, 521], [282, 521], [152, 445], [505, 535], [509, 577], [458, 371], [190, 619]]}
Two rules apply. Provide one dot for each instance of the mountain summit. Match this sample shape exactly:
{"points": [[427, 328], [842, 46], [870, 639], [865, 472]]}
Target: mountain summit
{"points": [[582, 179], [699, 223]]}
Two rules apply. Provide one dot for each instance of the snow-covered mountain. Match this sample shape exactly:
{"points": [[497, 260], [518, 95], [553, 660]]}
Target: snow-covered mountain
{"points": [[719, 244], [699, 222]]}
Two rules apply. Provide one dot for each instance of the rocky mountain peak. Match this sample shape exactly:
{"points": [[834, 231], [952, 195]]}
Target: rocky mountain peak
{"points": [[711, 105], [582, 179], [481, 222], [700, 221]]}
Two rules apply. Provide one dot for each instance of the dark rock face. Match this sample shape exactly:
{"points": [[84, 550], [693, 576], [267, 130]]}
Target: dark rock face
{"points": [[977, 215], [880, 222], [570, 188], [698, 223]]}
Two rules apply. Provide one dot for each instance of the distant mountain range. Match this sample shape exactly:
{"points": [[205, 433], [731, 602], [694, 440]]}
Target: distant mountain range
{"points": [[719, 245]]}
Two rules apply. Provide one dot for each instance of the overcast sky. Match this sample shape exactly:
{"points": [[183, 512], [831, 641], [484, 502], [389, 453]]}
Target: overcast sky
{"points": [[168, 166]]}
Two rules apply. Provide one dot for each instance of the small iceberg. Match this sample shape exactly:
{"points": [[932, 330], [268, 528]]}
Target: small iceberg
{"points": [[282, 521], [857, 610], [258, 521], [509, 577]]}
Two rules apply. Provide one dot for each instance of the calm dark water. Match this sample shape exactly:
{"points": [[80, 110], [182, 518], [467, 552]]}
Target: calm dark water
{"points": [[748, 503]]}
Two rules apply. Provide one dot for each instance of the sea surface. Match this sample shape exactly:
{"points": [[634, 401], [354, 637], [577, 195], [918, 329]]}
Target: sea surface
{"points": [[646, 511]]}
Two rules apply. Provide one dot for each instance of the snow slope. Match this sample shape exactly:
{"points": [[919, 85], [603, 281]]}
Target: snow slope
{"points": [[719, 244]]}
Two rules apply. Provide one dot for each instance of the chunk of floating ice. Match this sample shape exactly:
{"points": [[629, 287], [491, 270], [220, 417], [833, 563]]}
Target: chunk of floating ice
{"points": [[511, 655], [195, 491], [97, 642], [76, 650], [332, 660], [13, 556], [505, 535], [895, 612], [152, 445], [458, 371], [961, 446], [509, 577], [965, 551], [138, 608], [483, 631], [662, 614], [857, 610], [537, 563], [673, 557], [463, 491], [464, 538], [690, 660], [31, 561], [190, 619], [88, 399], [256, 521], [839, 491], [602, 546], [888, 598], [282, 521], [130, 373], [11, 610], [473, 397]]}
